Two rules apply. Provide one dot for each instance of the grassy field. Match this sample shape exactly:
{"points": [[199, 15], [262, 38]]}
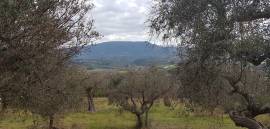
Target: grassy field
{"points": [[109, 117]]}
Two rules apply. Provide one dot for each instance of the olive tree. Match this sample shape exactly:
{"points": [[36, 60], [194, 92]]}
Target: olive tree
{"points": [[61, 93], [93, 82], [37, 38], [136, 91], [220, 36]]}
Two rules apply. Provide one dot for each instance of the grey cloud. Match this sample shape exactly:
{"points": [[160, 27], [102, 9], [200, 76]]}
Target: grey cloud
{"points": [[121, 19]]}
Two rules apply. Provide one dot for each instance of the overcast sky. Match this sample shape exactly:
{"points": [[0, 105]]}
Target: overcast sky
{"points": [[122, 20]]}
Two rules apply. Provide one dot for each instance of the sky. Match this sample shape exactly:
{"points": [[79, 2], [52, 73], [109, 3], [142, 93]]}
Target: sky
{"points": [[122, 20]]}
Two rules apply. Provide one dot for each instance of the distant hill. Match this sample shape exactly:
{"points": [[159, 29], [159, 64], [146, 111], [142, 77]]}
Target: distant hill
{"points": [[120, 54]]}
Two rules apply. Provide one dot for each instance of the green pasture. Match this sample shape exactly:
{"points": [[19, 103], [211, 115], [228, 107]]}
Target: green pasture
{"points": [[110, 117]]}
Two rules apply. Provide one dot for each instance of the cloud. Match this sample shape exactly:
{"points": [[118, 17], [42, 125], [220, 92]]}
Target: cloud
{"points": [[121, 19]]}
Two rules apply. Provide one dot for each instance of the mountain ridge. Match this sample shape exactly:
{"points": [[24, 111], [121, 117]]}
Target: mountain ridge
{"points": [[124, 54]]}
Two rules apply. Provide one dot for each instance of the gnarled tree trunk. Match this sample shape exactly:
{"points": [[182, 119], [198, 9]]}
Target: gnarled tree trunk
{"points": [[241, 120]]}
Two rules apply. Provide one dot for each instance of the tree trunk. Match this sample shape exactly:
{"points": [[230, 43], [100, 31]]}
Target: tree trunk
{"points": [[146, 123], [91, 105], [167, 102], [51, 122], [3, 103], [244, 121], [139, 124]]}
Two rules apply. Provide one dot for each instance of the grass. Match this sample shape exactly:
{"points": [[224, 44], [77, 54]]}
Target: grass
{"points": [[18, 120], [109, 117]]}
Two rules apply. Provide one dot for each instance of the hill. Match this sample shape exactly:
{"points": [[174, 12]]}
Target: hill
{"points": [[119, 54]]}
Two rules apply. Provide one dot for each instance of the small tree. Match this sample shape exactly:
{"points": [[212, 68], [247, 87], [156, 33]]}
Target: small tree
{"points": [[92, 82], [59, 94], [136, 91]]}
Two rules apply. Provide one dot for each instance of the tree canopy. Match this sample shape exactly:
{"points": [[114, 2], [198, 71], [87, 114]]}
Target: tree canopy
{"points": [[37, 39], [225, 41]]}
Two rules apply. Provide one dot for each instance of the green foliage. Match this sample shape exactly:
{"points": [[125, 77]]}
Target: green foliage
{"points": [[32, 56], [225, 42], [59, 94]]}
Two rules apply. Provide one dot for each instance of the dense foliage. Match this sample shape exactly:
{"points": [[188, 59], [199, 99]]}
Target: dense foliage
{"points": [[225, 41], [37, 37]]}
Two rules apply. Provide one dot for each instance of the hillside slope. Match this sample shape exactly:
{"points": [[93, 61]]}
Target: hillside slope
{"points": [[120, 54]]}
